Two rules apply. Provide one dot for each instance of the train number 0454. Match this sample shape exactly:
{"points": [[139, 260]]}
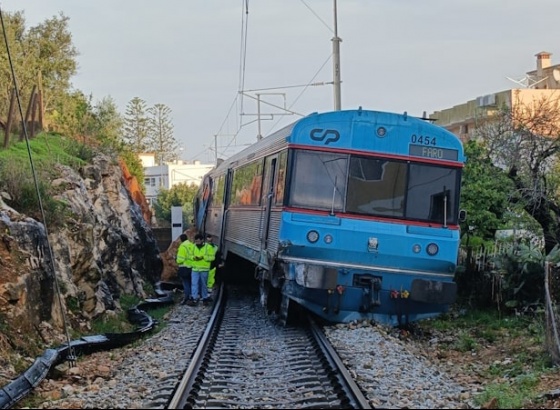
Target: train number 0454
{"points": [[423, 139]]}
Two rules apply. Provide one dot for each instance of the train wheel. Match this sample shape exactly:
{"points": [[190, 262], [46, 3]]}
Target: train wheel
{"points": [[270, 297], [285, 310], [264, 290]]}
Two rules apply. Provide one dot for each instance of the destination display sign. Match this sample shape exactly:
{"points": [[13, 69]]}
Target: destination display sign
{"points": [[433, 152]]}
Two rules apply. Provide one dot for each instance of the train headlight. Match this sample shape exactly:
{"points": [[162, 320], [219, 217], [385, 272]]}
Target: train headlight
{"points": [[328, 238], [416, 248], [381, 132], [312, 236], [432, 249]]}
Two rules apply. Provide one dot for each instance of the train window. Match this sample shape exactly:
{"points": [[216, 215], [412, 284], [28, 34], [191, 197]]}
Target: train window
{"points": [[432, 193], [318, 180], [281, 178], [247, 183], [376, 187], [218, 191]]}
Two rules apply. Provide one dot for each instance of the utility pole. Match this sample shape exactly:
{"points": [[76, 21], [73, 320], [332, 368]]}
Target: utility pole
{"points": [[259, 134], [336, 62], [216, 149]]}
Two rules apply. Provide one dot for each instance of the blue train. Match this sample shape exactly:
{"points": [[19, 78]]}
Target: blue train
{"points": [[350, 214]]}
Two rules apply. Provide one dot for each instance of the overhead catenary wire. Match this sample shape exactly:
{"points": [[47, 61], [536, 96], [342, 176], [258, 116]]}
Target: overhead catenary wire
{"points": [[310, 84], [71, 358], [318, 18], [239, 99]]}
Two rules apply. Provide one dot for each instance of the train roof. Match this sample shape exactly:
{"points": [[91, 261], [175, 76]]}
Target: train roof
{"points": [[297, 133]]}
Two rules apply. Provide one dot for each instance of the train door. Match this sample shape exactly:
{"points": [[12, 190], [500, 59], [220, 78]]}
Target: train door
{"points": [[227, 195], [201, 204], [266, 204]]}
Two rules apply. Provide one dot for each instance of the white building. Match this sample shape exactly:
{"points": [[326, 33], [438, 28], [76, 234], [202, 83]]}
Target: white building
{"points": [[170, 174]]}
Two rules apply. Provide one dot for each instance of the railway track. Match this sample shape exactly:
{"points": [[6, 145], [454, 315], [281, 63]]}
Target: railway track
{"points": [[259, 367], [246, 360]]}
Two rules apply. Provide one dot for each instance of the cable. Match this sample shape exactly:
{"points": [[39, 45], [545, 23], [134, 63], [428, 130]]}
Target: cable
{"points": [[316, 15], [311, 83], [71, 356], [242, 67], [242, 71]]}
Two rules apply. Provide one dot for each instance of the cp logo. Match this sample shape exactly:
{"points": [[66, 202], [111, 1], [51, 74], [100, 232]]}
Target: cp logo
{"points": [[327, 136]]}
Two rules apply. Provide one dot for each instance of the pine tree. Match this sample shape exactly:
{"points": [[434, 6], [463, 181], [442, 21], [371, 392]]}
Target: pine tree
{"points": [[137, 125], [162, 141]]}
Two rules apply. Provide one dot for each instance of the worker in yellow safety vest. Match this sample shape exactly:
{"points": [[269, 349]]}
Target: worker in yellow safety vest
{"points": [[216, 264], [184, 262], [203, 255]]}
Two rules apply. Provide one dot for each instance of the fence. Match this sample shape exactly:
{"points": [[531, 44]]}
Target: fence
{"points": [[552, 313], [34, 121], [483, 260]]}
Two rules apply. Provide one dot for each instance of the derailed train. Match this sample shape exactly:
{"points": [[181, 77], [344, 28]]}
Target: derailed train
{"points": [[350, 214]]}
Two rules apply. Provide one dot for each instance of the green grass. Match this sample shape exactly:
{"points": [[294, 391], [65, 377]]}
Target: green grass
{"points": [[510, 395], [32, 401], [118, 322], [465, 343], [29, 187], [112, 324], [129, 301], [48, 149], [515, 378]]}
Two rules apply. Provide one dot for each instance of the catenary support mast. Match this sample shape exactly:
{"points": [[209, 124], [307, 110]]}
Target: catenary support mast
{"points": [[336, 62]]}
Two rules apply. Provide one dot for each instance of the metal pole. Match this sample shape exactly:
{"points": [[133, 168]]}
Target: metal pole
{"points": [[216, 149], [259, 135], [336, 62]]}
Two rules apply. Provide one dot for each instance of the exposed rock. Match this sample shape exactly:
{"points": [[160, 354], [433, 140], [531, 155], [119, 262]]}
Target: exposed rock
{"points": [[102, 248]]}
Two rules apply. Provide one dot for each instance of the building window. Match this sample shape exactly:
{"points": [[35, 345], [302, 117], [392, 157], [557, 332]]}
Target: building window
{"points": [[149, 182]]}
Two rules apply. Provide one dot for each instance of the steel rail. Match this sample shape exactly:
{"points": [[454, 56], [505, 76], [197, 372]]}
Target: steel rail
{"points": [[183, 389], [357, 399]]}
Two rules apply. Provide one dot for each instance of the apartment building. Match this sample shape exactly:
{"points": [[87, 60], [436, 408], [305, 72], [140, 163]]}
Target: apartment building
{"points": [[170, 174], [544, 82]]}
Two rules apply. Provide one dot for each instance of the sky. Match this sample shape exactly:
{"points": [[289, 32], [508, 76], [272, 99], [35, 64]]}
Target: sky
{"points": [[210, 61]]}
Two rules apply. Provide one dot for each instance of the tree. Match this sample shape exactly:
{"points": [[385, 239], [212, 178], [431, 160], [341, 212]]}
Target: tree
{"points": [[51, 43], [137, 131], [134, 166], [524, 140], [178, 195], [72, 114], [106, 122], [485, 192], [162, 141], [15, 35], [44, 56]]}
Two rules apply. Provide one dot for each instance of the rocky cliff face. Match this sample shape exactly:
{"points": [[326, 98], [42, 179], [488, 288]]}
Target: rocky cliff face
{"points": [[102, 249]]}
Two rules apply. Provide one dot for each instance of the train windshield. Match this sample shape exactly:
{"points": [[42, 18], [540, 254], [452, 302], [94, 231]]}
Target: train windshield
{"points": [[375, 186], [319, 180]]}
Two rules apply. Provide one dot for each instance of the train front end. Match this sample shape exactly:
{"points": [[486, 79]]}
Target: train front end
{"points": [[345, 269], [370, 230]]}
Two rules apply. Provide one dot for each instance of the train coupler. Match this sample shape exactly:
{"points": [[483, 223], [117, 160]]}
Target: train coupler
{"points": [[329, 294], [375, 291], [339, 291], [371, 295]]}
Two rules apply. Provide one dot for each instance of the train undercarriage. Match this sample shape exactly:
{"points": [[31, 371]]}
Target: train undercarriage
{"points": [[362, 299]]}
